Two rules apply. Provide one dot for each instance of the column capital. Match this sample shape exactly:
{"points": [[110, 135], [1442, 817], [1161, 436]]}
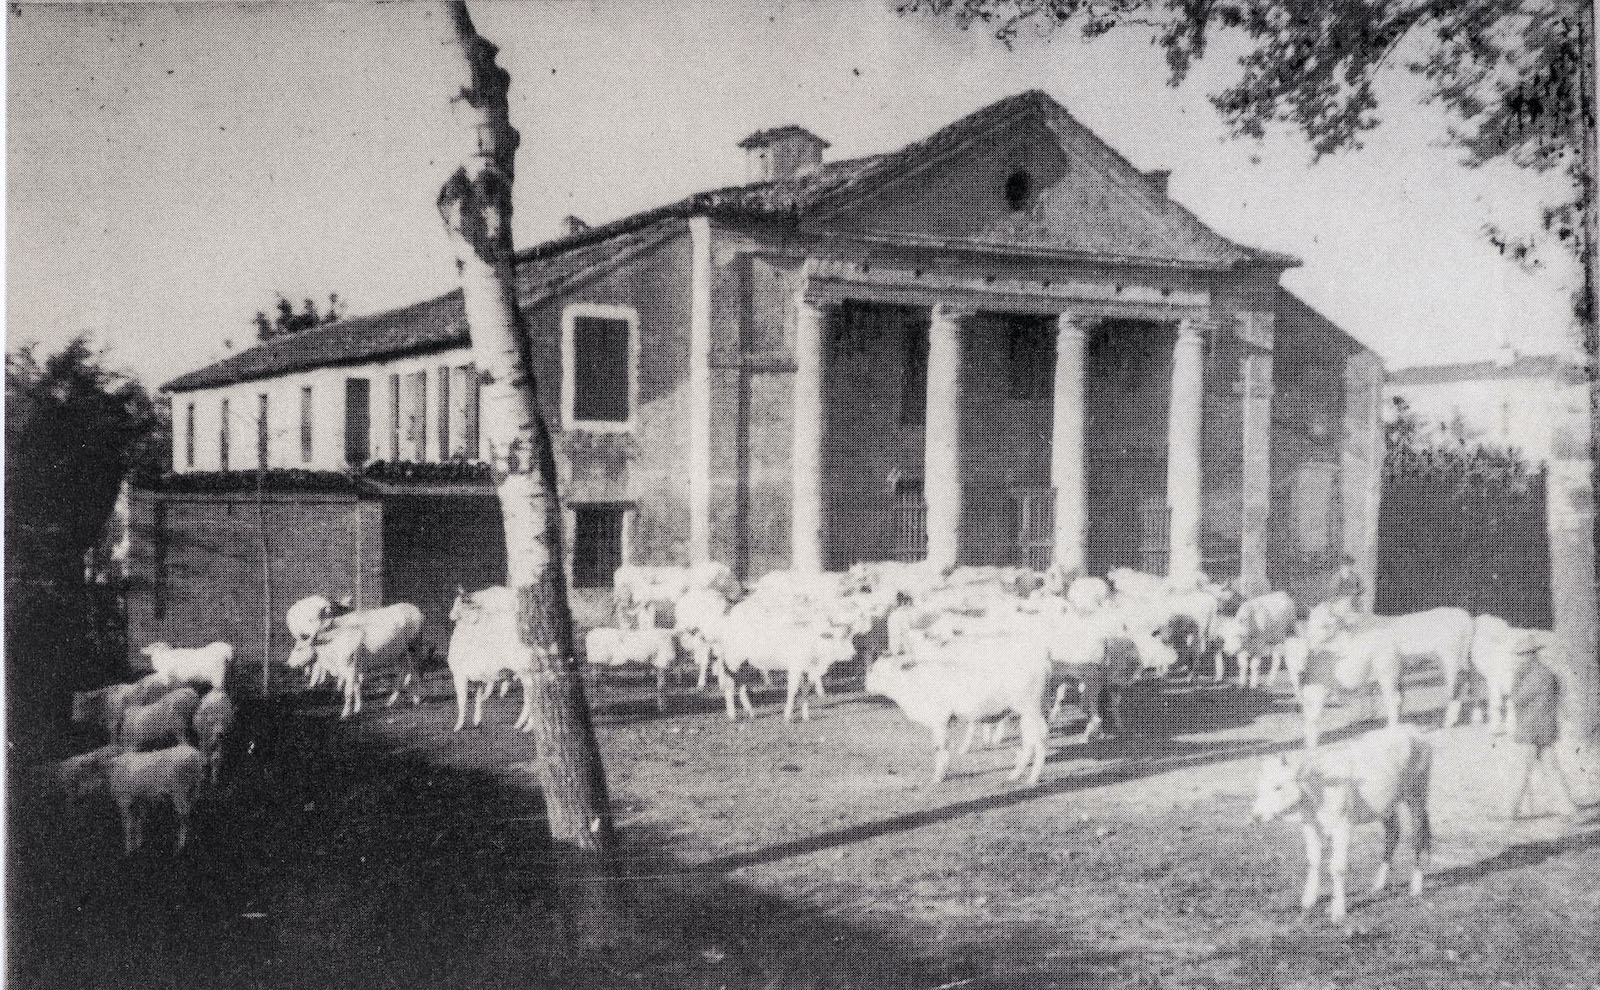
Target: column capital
{"points": [[1192, 329], [950, 311], [1075, 322]]}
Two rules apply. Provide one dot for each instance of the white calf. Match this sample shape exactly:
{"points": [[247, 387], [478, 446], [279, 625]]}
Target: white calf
{"points": [[1365, 780]]}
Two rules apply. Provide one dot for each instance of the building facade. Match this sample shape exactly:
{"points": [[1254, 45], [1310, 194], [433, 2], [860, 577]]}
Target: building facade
{"points": [[1534, 403], [1000, 345]]}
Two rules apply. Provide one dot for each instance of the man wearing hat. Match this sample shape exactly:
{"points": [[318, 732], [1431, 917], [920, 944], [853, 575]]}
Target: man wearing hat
{"points": [[1536, 700]]}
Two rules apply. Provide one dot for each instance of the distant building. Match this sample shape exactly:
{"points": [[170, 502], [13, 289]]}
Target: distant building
{"points": [[999, 345], [1534, 403]]}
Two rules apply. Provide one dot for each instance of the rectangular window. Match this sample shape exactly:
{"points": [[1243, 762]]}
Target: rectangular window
{"points": [[473, 406], [1031, 354], [416, 387], [599, 375], [261, 430], [357, 420], [394, 417], [305, 424], [444, 412], [596, 545], [223, 437], [188, 436]]}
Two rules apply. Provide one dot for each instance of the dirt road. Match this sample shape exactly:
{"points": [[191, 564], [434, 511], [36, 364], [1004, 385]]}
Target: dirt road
{"points": [[391, 852]]}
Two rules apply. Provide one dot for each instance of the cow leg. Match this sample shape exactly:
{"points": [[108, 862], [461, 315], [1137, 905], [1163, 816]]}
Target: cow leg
{"points": [[1313, 697], [998, 734], [1391, 840], [126, 811], [1338, 865], [1034, 731], [794, 681], [524, 720], [182, 805], [941, 751], [1308, 895], [463, 688], [1061, 696], [744, 699], [966, 741], [1089, 693], [1222, 666], [477, 710], [1421, 842], [702, 663], [1245, 660]]}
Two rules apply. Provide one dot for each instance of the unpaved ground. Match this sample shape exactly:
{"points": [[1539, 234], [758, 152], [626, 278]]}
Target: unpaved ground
{"points": [[390, 852]]}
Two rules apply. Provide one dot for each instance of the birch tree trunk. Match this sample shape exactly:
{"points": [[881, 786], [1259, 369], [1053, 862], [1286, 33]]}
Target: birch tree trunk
{"points": [[475, 203]]}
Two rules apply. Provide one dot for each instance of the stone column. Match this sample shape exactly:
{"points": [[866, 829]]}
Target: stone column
{"points": [[1361, 466], [941, 460], [463, 380], [806, 512], [1183, 449], [699, 464], [1066, 444], [1256, 474]]}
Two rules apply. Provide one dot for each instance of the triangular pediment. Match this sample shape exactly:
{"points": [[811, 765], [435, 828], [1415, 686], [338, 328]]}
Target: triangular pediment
{"points": [[1034, 179]]}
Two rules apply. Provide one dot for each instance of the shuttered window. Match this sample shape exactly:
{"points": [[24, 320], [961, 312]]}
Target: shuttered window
{"points": [[223, 437], [305, 424], [188, 437], [444, 412], [357, 420], [596, 545], [263, 434]]}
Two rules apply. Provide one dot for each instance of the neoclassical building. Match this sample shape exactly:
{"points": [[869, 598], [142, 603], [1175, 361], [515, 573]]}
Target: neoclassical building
{"points": [[1000, 344]]}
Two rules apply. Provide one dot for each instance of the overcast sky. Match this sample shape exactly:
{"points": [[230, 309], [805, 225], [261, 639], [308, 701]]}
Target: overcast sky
{"points": [[171, 168]]}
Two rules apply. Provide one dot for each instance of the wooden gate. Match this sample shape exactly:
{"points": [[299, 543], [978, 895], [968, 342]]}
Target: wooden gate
{"points": [[1472, 536]]}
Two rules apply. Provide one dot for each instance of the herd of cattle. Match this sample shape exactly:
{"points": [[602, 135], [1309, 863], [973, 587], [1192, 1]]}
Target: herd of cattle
{"points": [[976, 645], [165, 737]]}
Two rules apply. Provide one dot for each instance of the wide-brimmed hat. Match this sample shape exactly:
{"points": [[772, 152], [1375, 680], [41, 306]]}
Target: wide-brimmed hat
{"points": [[1530, 643]]}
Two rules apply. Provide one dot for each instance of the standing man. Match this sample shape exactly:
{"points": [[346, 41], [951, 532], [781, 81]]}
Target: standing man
{"points": [[1536, 700]]}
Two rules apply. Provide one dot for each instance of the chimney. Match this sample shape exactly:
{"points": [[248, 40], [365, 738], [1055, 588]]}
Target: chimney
{"points": [[1158, 177], [572, 225], [781, 154]]}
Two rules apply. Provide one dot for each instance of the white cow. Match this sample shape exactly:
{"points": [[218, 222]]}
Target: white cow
{"points": [[951, 683], [354, 645], [1365, 780], [1495, 645], [1374, 653], [1255, 636], [484, 644]]}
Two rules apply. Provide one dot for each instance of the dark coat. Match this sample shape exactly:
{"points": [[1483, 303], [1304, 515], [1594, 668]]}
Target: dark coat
{"points": [[1536, 698]]}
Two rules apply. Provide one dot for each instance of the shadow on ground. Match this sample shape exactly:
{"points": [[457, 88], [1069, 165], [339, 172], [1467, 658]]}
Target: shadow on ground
{"points": [[334, 859]]}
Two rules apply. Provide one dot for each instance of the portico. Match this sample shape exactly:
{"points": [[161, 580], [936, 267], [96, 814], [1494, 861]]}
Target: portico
{"points": [[954, 384]]}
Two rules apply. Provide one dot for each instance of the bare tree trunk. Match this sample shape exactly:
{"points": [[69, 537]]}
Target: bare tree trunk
{"points": [[475, 203], [1573, 479]]}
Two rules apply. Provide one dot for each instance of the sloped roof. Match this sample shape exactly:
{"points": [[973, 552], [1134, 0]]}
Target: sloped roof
{"points": [[1551, 366], [435, 324], [1173, 233], [771, 134]]}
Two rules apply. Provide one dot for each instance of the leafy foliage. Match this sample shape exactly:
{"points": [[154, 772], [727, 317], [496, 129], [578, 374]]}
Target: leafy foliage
{"points": [[74, 430], [290, 322], [1514, 74]]}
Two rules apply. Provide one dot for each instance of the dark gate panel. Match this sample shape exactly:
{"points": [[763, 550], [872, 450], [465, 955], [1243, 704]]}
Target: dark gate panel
{"points": [[1466, 540], [431, 544]]}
